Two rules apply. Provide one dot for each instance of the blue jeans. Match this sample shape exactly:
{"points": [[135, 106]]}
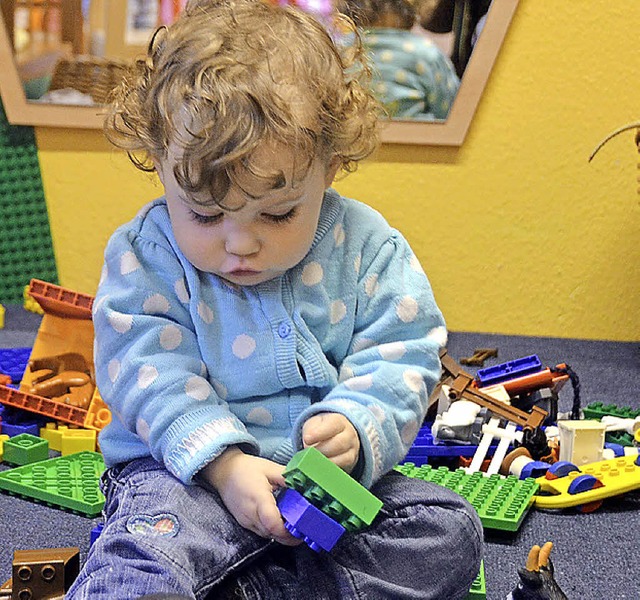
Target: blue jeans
{"points": [[163, 536]]}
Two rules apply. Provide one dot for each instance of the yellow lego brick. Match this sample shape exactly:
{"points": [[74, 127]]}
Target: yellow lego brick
{"points": [[1, 316], [78, 440], [593, 482], [30, 303], [3, 439], [53, 434], [98, 413]]}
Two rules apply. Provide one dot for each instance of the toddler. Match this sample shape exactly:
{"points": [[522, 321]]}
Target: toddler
{"points": [[413, 78], [251, 312]]}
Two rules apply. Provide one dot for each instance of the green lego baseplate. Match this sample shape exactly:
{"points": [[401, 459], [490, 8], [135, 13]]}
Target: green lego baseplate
{"points": [[25, 449], [501, 502], [26, 247], [69, 482], [478, 589], [331, 489]]}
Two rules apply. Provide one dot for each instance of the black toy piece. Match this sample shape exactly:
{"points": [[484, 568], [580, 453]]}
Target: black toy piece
{"points": [[536, 579]]}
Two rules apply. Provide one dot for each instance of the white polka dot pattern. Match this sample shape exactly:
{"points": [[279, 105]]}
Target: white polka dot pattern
{"points": [[392, 350], [414, 380], [312, 274], [113, 369], [197, 388], [360, 384], [409, 432], [180, 288], [260, 416], [378, 413], [142, 429], [362, 344], [407, 309], [439, 335], [243, 346], [147, 374], [156, 305], [120, 322], [128, 263], [205, 313], [371, 285], [338, 311], [170, 337]]}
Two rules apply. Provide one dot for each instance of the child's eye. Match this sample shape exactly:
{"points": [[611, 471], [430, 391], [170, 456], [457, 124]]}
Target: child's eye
{"points": [[206, 219], [281, 218]]}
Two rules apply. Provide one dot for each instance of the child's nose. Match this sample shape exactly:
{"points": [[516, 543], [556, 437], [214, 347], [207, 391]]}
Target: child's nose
{"points": [[241, 241]]}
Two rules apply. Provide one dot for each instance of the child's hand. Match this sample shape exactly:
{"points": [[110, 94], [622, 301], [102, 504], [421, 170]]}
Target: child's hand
{"points": [[246, 484], [334, 436]]}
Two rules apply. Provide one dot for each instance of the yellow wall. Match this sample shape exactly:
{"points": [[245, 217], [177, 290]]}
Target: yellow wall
{"points": [[518, 232]]}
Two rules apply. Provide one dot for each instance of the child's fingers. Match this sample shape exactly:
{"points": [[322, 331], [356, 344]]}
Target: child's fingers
{"points": [[322, 427], [271, 522]]}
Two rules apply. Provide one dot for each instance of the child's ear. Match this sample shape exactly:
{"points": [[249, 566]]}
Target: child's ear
{"points": [[332, 169]]}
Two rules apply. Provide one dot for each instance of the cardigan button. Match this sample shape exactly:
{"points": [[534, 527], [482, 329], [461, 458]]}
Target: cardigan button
{"points": [[284, 329]]}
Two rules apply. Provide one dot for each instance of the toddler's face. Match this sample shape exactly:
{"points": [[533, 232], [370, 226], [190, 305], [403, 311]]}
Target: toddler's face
{"points": [[267, 231]]}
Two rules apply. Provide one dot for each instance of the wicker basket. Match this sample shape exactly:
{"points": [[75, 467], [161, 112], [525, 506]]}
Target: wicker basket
{"points": [[93, 76]]}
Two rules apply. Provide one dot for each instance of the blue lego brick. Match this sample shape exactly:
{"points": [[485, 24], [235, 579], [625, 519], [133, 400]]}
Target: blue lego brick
{"points": [[14, 429], [423, 448], [304, 521], [508, 370], [16, 422], [13, 362], [95, 533]]}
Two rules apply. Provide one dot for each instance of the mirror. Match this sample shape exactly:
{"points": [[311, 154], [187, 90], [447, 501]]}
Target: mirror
{"points": [[87, 30]]}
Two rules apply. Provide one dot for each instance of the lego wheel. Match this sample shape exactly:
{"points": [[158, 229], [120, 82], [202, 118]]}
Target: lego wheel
{"points": [[584, 483], [561, 469]]}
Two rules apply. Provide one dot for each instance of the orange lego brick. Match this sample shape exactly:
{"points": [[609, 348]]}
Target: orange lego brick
{"points": [[42, 406], [60, 301]]}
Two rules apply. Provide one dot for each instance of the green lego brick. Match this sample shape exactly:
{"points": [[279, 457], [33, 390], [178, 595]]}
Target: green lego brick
{"points": [[597, 410], [619, 437], [26, 247], [69, 482], [25, 449], [478, 589], [331, 489], [501, 502]]}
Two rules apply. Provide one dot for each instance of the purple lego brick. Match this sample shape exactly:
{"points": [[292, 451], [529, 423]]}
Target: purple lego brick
{"points": [[305, 521], [508, 370], [13, 362]]}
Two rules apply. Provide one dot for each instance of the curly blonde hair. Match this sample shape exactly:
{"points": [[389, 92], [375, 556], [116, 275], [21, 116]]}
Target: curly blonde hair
{"points": [[232, 74]]}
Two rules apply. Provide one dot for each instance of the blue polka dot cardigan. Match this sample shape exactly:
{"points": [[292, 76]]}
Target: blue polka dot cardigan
{"points": [[190, 365]]}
